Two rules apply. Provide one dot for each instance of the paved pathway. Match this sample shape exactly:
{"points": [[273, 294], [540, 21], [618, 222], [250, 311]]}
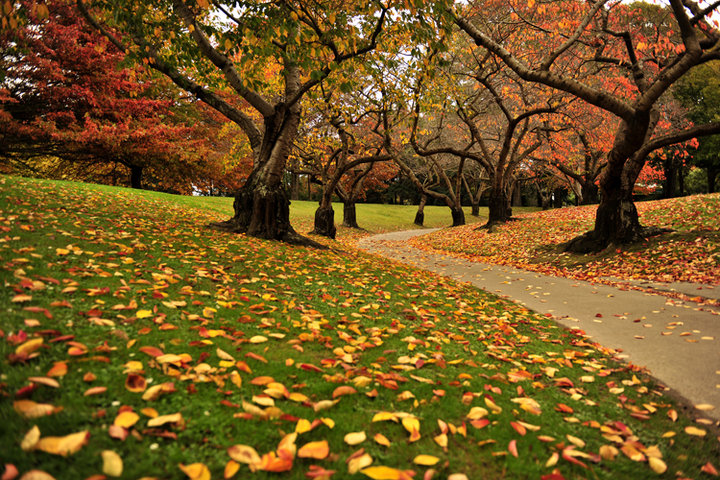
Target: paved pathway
{"points": [[678, 343]]}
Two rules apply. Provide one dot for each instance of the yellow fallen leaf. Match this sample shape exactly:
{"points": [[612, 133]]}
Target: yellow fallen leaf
{"points": [[64, 446], [381, 439], [384, 416], [704, 407], [258, 339], [657, 465], [163, 419], [126, 419], [412, 425], [358, 463], [47, 381], [231, 468], [302, 426], [112, 463], [697, 432], [425, 460], [30, 439], [29, 347], [382, 473], [196, 471], [354, 438], [476, 413], [144, 313], [223, 355]]}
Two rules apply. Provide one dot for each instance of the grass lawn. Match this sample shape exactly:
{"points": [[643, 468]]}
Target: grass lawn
{"points": [[691, 253], [136, 343]]}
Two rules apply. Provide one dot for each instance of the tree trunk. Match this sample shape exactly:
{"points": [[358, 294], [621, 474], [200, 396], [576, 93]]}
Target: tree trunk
{"points": [[499, 210], [475, 209], [420, 215], [589, 192], [458, 216], [136, 174], [670, 172], [294, 186], [349, 214], [262, 206], [712, 173], [325, 221]]}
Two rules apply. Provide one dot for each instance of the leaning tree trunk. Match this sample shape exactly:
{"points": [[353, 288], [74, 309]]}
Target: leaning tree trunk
{"points": [[616, 220], [420, 215], [349, 214]]}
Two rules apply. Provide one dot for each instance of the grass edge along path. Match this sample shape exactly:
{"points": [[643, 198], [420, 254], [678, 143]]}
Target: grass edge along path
{"points": [[690, 254], [137, 344]]}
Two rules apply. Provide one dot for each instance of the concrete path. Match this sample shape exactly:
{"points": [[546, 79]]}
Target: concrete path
{"points": [[677, 342]]}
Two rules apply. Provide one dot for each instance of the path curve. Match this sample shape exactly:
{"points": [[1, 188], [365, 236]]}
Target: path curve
{"points": [[676, 342]]}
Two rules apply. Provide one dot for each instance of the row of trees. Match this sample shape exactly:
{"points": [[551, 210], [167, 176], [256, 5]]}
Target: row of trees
{"points": [[468, 97]]}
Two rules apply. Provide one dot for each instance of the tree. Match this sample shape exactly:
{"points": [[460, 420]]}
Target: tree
{"points": [[699, 91], [71, 109], [229, 46], [585, 50]]}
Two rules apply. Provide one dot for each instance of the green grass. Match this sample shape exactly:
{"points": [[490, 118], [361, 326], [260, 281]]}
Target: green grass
{"points": [[107, 272]]}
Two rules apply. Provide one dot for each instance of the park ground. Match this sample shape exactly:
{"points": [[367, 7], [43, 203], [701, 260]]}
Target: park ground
{"points": [[136, 343]]}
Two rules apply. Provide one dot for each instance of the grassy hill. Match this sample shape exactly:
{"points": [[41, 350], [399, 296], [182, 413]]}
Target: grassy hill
{"points": [[131, 335]]}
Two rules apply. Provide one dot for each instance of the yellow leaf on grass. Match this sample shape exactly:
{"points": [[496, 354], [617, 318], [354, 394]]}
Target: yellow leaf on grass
{"points": [[144, 313], [163, 419], [384, 416], [112, 463], [381, 439], [317, 450], [30, 439], [29, 347], [47, 381], [697, 432], [258, 339], [303, 425], [358, 463], [231, 468], [354, 438], [126, 419], [412, 425], [196, 471], [425, 460], [657, 465], [64, 446], [382, 473]]}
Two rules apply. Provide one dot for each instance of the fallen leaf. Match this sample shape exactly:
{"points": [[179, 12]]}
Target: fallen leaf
{"points": [[317, 450], [112, 463], [355, 438], [425, 460], [30, 439], [196, 471], [63, 446]]}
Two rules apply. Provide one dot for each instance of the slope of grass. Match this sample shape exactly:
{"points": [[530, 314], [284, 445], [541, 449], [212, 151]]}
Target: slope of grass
{"points": [[132, 335], [691, 253]]}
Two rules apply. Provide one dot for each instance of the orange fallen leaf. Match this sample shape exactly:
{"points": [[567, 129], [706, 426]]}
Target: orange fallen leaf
{"points": [[58, 369], [231, 468], [126, 419], [164, 419], [36, 475], [381, 439], [343, 390], [412, 425], [317, 450], [196, 471], [94, 391]]}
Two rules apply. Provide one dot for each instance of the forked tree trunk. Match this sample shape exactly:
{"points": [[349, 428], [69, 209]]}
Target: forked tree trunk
{"points": [[420, 215], [262, 206]]}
